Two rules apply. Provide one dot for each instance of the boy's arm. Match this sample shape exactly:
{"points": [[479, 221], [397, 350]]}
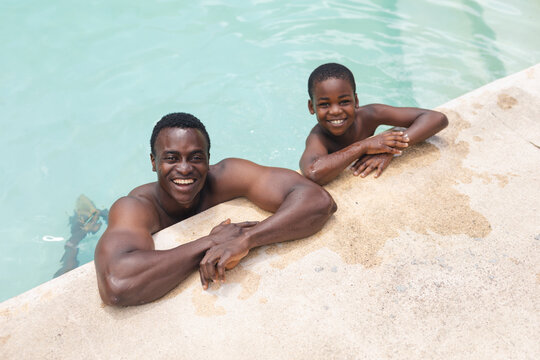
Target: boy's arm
{"points": [[321, 167], [420, 124], [130, 271], [300, 207]]}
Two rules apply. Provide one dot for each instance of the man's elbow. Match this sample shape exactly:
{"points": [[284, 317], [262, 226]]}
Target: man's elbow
{"points": [[112, 293], [326, 205]]}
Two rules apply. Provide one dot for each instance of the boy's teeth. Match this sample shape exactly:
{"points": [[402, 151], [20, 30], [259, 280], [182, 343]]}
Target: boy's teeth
{"points": [[336, 122], [183, 181]]}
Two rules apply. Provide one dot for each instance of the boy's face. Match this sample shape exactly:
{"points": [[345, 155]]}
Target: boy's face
{"points": [[334, 103]]}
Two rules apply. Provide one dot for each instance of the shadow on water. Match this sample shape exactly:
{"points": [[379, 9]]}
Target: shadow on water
{"points": [[485, 38]]}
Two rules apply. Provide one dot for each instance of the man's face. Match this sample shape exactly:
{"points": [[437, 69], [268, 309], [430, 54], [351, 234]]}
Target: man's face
{"points": [[334, 103], [181, 163]]}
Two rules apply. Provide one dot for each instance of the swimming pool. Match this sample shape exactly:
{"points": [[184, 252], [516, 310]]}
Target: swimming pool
{"points": [[82, 84]]}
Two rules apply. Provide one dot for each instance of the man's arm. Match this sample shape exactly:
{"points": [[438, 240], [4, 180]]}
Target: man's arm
{"points": [[301, 209], [129, 270], [321, 167]]}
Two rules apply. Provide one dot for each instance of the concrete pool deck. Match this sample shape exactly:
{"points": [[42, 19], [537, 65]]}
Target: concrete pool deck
{"points": [[438, 258]]}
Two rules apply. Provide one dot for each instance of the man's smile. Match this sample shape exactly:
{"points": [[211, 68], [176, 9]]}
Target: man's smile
{"points": [[183, 181]]}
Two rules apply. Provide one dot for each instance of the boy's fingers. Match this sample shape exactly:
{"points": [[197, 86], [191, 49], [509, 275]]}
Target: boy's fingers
{"points": [[368, 170], [360, 169]]}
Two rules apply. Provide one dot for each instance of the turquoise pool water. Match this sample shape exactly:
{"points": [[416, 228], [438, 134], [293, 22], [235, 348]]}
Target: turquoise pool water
{"points": [[83, 82]]}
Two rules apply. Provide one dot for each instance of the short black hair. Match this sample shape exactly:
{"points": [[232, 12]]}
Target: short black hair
{"points": [[330, 71], [179, 120]]}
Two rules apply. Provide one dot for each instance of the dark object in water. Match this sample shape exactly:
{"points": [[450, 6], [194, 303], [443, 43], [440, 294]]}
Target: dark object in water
{"points": [[85, 219]]}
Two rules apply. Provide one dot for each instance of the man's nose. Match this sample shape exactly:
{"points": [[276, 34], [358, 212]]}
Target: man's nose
{"points": [[183, 167]]}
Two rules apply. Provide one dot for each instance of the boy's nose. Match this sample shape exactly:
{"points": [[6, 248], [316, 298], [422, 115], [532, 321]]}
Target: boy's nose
{"points": [[335, 109]]}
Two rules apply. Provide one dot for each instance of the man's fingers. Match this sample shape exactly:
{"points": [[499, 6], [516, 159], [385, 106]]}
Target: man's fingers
{"points": [[204, 282], [225, 222], [221, 267], [379, 170], [247, 224]]}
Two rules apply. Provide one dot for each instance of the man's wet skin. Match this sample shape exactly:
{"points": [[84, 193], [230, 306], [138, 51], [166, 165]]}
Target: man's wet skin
{"points": [[130, 271]]}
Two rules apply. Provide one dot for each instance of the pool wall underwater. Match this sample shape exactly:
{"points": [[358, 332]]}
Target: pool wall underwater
{"points": [[82, 84]]}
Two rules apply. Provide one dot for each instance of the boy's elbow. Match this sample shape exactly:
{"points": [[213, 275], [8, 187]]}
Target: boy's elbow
{"points": [[314, 175], [442, 120]]}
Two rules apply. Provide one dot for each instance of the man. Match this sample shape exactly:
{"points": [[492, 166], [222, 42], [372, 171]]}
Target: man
{"points": [[130, 271]]}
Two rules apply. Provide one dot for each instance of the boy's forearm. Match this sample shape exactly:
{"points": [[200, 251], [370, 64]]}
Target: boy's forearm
{"points": [[326, 168], [427, 124]]}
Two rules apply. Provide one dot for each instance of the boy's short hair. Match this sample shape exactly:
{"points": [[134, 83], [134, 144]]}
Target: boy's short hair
{"points": [[330, 71], [179, 120]]}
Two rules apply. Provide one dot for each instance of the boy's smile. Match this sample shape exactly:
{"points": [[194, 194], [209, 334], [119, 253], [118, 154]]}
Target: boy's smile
{"points": [[334, 103]]}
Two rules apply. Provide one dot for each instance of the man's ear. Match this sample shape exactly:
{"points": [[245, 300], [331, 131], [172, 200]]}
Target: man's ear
{"points": [[310, 107], [356, 100], [153, 160]]}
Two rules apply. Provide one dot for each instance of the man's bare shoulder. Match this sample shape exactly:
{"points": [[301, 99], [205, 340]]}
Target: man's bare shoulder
{"points": [[136, 209], [231, 170]]}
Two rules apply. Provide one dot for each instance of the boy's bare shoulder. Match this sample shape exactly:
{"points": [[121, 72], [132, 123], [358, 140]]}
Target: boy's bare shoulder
{"points": [[371, 113]]}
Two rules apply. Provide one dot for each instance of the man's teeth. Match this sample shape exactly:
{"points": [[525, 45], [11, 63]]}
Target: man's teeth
{"points": [[183, 181], [337, 122]]}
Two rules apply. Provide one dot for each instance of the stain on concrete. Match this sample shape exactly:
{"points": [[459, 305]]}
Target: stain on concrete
{"points": [[4, 339], [205, 304], [379, 209], [248, 280], [263, 300], [47, 296], [505, 101], [477, 138], [477, 106]]}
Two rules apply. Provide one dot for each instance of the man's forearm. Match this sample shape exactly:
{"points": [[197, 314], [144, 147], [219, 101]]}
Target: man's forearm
{"points": [[303, 212], [141, 276]]}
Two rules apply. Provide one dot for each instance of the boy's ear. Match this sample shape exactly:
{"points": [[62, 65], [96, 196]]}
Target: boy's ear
{"points": [[153, 160], [310, 107], [356, 100]]}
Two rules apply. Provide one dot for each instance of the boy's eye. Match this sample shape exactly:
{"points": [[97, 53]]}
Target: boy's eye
{"points": [[345, 102], [323, 104]]}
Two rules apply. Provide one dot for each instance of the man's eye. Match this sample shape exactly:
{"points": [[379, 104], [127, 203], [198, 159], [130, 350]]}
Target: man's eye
{"points": [[168, 158]]}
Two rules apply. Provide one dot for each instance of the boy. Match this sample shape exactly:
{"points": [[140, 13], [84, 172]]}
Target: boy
{"points": [[344, 133]]}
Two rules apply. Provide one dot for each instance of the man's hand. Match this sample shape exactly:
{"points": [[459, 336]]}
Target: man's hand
{"points": [[230, 247], [386, 142], [366, 164]]}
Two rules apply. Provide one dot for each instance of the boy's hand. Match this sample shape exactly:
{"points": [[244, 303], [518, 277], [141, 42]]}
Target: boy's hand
{"points": [[366, 164], [386, 142]]}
